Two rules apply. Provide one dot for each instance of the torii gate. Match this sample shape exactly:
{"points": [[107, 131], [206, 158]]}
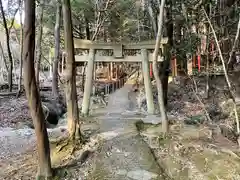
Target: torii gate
{"points": [[118, 56]]}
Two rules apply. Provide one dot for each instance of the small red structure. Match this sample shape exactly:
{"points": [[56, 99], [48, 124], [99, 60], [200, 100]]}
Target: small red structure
{"points": [[151, 70], [199, 62]]}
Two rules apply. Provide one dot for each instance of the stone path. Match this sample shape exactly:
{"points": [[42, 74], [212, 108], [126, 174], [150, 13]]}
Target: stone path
{"points": [[123, 154]]}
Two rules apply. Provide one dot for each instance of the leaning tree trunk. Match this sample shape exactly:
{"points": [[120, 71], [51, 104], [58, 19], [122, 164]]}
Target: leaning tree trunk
{"points": [[55, 89], [70, 76], [39, 41], [10, 69], [155, 70], [32, 93]]}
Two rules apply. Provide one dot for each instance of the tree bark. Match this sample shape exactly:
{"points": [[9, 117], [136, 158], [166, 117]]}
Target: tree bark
{"points": [[164, 71], [50, 62], [55, 90], [152, 18], [71, 91], [39, 40], [155, 70], [32, 93], [10, 69], [4, 59], [21, 48], [87, 28]]}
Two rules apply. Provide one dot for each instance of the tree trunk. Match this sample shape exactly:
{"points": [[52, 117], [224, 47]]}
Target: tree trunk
{"points": [[4, 59], [50, 65], [32, 93], [21, 48], [10, 69], [145, 20], [39, 40], [152, 18], [164, 71], [3, 64], [155, 70], [56, 52], [71, 91], [87, 28]]}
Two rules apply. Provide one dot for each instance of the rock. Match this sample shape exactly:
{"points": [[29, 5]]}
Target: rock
{"points": [[227, 108], [116, 150], [122, 172], [62, 121], [84, 156], [109, 135], [127, 154], [228, 133], [185, 97], [151, 139], [51, 115], [53, 110], [192, 132], [194, 120], [108, 154], [141, 174], [152, 136], [152, 119]]}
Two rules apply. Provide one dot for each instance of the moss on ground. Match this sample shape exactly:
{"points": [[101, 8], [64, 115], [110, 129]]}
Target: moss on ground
{"points": [[191, 153]]}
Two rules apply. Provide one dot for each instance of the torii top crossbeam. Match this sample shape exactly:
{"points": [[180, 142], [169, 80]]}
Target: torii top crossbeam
{"points": [[118, 48]]}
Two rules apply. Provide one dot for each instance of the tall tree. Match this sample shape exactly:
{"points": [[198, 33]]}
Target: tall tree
{"points": [[39, 39], [164, 70], [70, 76], [21, 47], [32, 93], [155, 70], [56, 51], [10, 69]]}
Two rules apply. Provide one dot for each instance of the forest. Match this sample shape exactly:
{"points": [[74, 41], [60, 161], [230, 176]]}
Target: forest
{"points": [[119, 89]]}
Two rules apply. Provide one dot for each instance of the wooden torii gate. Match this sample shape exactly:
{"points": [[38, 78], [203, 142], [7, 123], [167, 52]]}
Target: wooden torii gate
{"points": [[118, 55]]}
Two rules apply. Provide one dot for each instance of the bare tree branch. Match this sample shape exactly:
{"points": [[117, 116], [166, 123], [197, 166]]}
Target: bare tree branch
{"points": [[235, 42], [99, 24], [225, 71], [13, 19]]}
